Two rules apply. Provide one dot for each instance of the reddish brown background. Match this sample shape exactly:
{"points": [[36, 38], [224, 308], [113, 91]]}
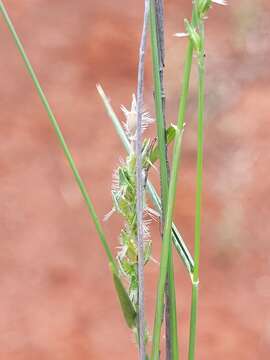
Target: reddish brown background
{"points": [[57, 298]]}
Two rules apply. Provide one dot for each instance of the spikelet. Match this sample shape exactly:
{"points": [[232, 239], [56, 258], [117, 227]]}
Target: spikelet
{"points": [[130, 125]]}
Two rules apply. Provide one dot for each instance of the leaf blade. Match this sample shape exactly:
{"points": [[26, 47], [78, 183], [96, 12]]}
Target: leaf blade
{"points": [[127, 307]]}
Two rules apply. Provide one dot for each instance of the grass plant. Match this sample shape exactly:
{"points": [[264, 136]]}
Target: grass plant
{"points": [[131, 182]]}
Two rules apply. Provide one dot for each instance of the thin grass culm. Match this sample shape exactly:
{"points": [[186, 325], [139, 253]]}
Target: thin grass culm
{"points": [[170, 204], [158, 58], [196, 33], [140, 184], [131, 183], [195, 278]]}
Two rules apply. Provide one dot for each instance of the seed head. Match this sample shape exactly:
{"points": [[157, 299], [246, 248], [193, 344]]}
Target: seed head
{"points": [[131, 119]]}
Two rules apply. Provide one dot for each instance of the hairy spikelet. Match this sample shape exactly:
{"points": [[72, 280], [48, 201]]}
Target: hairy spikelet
{"points": [[130, 124], [124, 203]]}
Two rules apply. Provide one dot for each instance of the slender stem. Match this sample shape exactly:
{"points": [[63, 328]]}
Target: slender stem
{"points": [[199, 167], [171, 203], [172, 346], [193, 321], [159, 110], [195, 279], [156, 21], [59, 134], [172, 351], [185, 87], [165, 255], [140, 183]]}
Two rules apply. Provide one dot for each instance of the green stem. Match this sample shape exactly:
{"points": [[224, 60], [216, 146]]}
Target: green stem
{"points": [[185, 87], [59, 135], [171, 317], [193, 321], [195, 279], [173, 351], [165, 255], [171, 202], [199, 169], [159, 109]]}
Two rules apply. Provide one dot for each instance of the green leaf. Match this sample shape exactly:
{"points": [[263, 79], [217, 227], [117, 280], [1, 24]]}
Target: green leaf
{"points": [[170, 135], [127, 307], [59, 134]]}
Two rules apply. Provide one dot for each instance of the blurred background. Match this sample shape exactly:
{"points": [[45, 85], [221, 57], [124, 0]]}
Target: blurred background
{"points": [[57, 297]]}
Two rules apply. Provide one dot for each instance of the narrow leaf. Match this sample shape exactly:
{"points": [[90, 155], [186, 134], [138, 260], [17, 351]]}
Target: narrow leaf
{"points": [[170, 135], [127, 307], [58, 132]]}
